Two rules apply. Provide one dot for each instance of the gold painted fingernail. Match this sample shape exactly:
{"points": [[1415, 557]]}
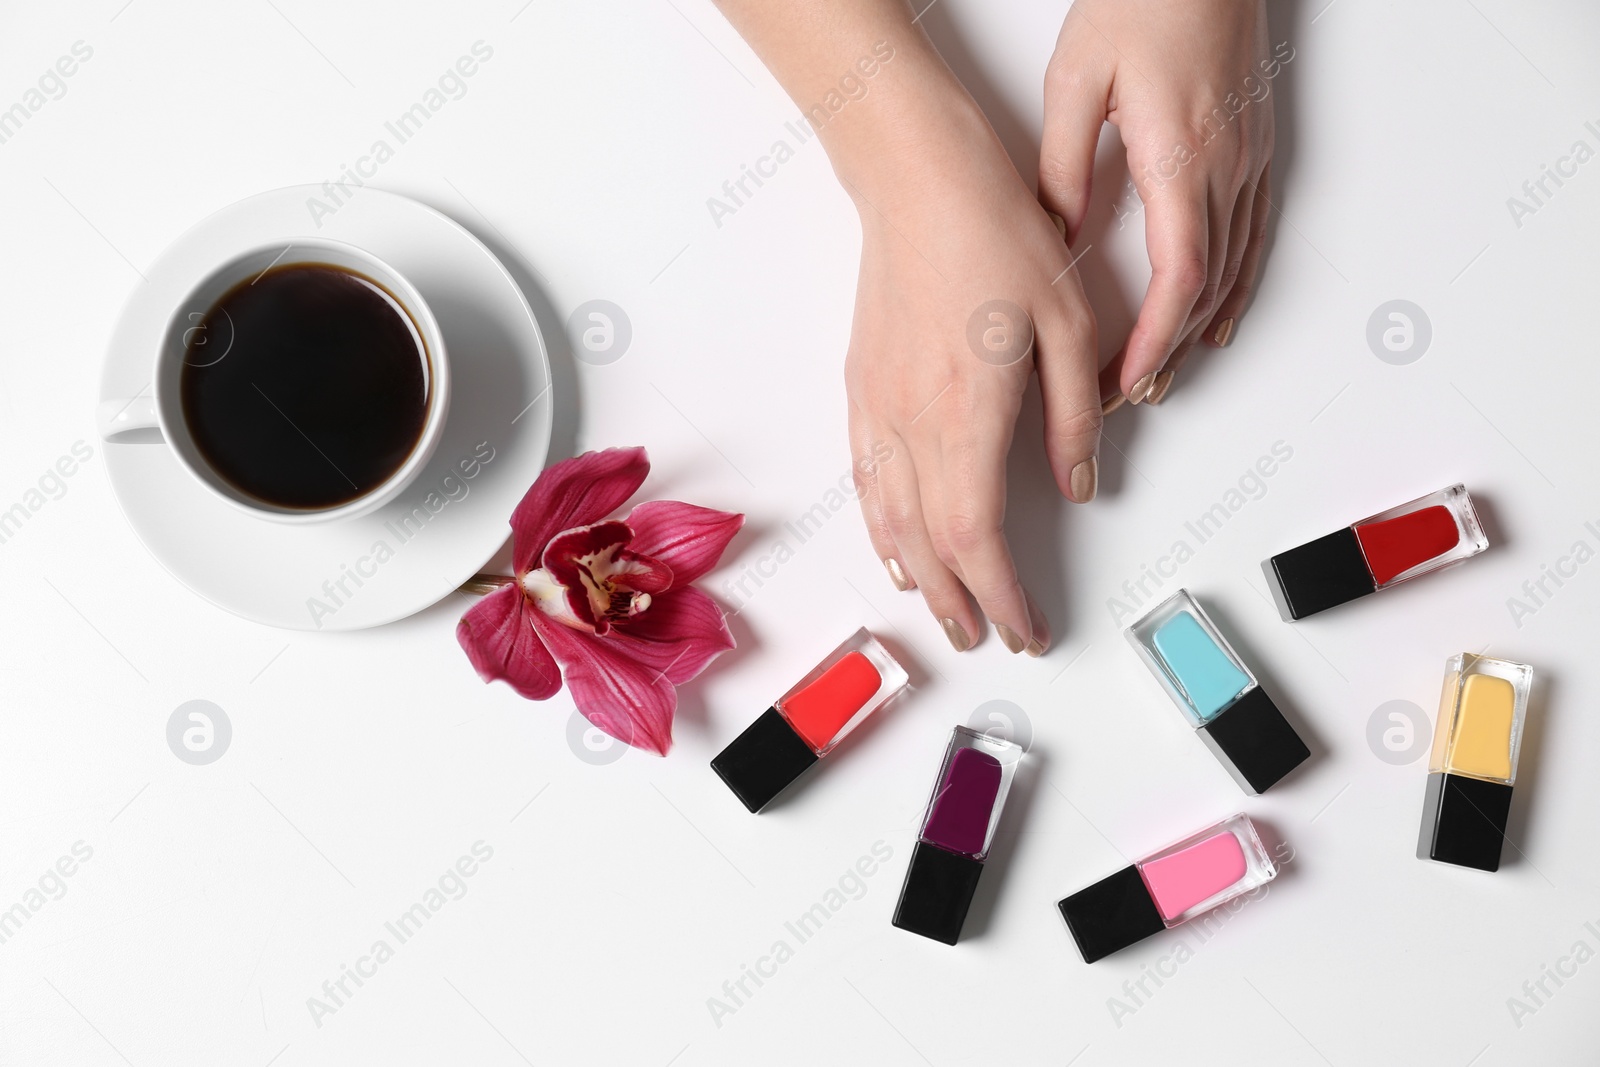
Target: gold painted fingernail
{"points": [[1035, 648], [1158, 391], [1085, 480], [1108, 406], [1223, 333], [897, 574], [1060, 224], [958, 637], [1141, 388], [1009, 638]]}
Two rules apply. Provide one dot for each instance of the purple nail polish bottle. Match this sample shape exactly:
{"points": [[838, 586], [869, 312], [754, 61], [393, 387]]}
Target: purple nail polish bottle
{"points": [[957, 830]]}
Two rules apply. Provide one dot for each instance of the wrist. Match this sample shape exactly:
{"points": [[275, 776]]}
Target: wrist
{"points": [[911, 119]]}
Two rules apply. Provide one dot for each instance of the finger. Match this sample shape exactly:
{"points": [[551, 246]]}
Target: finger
{"points": [[1221, 206], [1219, 331], [902, 511], [1075, 106], [1071, 391], [869, 450], [1219, 215], [1228, 252], [965, 509], [1177, 238]]}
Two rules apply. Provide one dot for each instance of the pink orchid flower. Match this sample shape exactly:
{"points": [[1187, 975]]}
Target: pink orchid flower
{"points": [[607, 599]]}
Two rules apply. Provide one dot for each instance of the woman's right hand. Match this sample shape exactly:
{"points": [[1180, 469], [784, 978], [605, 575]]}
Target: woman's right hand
{"points": [[960, 269]]}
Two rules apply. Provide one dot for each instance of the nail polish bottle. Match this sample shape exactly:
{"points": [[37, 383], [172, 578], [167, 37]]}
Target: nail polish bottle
{"points": [[1169, 888], [1423, 536], [804, 725], [1216, 693], [1473, 765], [957, 829]]}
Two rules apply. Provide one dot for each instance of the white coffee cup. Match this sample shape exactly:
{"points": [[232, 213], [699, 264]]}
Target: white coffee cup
{"points": [[161, 408]]}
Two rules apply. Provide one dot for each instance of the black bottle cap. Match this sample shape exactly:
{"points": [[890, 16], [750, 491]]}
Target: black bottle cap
{"points": [[937, 893], [1110, 915], [761, 762], [1255, 742], [1464, 821], [1318, 575]]}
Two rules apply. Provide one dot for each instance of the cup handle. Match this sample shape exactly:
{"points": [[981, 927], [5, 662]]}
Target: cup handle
{"points": [[120, 419]]}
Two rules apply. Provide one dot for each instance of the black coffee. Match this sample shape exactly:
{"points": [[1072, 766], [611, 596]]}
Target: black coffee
{"points": [[306, 387]]}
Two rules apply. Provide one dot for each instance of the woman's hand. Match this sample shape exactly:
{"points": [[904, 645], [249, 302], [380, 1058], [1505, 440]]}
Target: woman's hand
{"points": [[1188, 83], [966, 288]]}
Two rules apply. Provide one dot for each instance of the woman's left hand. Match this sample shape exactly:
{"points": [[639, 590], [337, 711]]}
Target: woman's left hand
{"points": [[1188, 84]]}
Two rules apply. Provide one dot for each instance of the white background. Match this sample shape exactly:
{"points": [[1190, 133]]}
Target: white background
{"points": [[620, 897]]}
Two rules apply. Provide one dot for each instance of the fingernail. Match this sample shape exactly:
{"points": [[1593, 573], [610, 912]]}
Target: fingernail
{"points": [[1107, 407], [1159, 389], [897, 574], [1141, 388], [1223, 333], [1009, 638], [958, 637], [1060, 224], [1085, 480], [1041, 628]]}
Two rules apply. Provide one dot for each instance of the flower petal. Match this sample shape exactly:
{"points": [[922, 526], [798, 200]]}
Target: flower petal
{"points": [[498, 636], [687, 538], [640, 573], [550, 597], [574, 492], [569, 547], [680, 635], [613, 688]]}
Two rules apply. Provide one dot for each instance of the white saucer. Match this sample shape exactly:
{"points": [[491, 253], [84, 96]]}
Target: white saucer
{"points": [[412, 552]]}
